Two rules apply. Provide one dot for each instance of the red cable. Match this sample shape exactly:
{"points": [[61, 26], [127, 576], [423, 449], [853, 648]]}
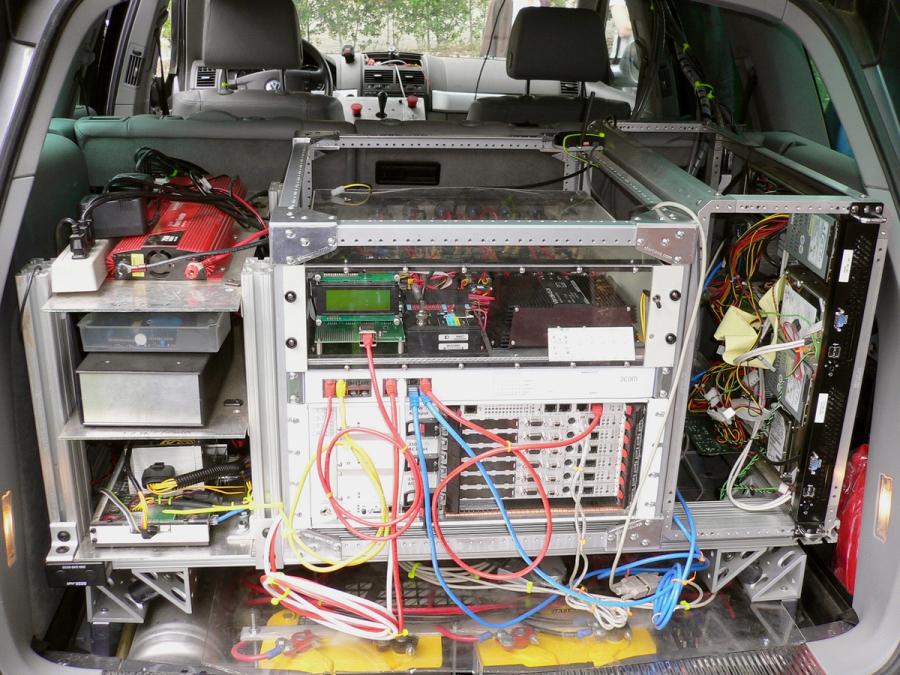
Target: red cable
{"points": [[404, 521], [395, 507], [456, 637], [247, 205], [246, 658]]}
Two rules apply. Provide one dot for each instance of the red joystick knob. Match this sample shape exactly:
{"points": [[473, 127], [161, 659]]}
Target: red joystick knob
{"points": [[412, 101], [356, 109]]}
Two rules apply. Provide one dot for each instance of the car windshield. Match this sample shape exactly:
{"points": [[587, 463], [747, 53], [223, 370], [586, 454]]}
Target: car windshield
{"points": [[441, 27]]}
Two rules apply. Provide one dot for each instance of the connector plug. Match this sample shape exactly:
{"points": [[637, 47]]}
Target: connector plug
{"points": [[390, 387], [328, 388], [341, 389]]}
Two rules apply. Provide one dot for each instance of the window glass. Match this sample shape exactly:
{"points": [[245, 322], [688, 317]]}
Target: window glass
{"points": [[441, 27], [618, 30]]}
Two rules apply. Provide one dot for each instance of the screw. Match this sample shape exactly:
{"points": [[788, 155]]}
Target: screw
{"points": [[265, 532], [332, 241], [289, 260], [290, 296], [304, 241], [670, 338], [289, 234], [64, 535], [664, 241], [291, 343], [62, 549], [675, 295], [679, 234]]}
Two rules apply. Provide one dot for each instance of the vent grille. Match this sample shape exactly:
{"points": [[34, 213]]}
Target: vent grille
{"points": [[572, 89], [205, 78], [412, 78], [378, 76], [133, 68]]}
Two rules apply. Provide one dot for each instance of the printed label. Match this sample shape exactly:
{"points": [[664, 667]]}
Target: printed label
{"points": [[453, 347], [821, 408], [846, 264], [453, 337]]}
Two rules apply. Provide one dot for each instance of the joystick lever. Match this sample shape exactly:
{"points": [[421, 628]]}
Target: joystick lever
{"points": [[382, 102]]}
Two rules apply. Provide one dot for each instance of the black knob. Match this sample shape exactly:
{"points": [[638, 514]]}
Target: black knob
{"points": [[382, 102]]}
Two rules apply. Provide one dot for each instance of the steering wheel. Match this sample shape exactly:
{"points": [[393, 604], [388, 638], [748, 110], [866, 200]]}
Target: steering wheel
{"points": [[295, 79]]}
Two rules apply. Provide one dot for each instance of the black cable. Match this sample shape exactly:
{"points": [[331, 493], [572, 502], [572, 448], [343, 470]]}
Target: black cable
{"points": [[489, 44], [203, 255], [544, 183], [34, 271]]}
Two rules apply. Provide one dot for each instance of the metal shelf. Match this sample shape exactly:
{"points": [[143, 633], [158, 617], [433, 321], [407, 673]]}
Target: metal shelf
{"points": [[158, 296], [226, 421], [229, 546]]}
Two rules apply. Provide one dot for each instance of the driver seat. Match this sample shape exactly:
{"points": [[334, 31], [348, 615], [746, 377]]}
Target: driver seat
{"points": [[241, 35]]}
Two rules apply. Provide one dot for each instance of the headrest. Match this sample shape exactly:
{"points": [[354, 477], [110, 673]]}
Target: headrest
{"points": [[241, 34], [556, 43]]}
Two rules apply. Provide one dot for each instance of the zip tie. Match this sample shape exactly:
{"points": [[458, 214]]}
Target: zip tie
{"points": [[529, 586], [686, 605], [703, 85], [686, 46], [329, 495], [509, 447], [403, 633], [412, 573], [280, 598]]}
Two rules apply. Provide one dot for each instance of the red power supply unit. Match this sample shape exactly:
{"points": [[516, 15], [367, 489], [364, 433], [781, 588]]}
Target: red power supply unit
{"points": [[179, 229]]}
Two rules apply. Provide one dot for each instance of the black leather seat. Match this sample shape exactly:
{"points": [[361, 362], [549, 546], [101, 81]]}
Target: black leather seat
{"points": [[553, 43], [243, 35]]}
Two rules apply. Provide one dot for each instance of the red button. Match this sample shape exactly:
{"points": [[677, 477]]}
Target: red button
{"points": [[356, 109], [412, 101]]}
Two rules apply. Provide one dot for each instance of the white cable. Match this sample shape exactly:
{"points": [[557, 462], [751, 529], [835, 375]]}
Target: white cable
{"points": [[736, 470], [769, 349], [400, 81], [367, 620], [676, 377]]}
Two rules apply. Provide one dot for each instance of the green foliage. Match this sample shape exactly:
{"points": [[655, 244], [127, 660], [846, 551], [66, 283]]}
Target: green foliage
{"points": [[451, 26]]}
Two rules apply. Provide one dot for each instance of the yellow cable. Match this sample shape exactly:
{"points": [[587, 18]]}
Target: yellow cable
{"points": [[368, 467], [643, 313], [568, 151]]}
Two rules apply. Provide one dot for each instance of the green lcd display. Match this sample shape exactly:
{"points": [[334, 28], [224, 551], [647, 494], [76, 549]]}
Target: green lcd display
{"points": [[358, 300]]}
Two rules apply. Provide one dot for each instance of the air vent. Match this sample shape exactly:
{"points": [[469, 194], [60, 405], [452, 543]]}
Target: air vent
{"points": [[374, 76], [570, 88], [205, 78], [133, 68], [412, 78]]}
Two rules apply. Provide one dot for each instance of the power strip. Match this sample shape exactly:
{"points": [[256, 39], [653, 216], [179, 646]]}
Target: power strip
{"points": [[80, 275]]}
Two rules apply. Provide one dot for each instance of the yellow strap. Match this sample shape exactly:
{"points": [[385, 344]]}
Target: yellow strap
{"points": [[529, 586], [412, 573]]}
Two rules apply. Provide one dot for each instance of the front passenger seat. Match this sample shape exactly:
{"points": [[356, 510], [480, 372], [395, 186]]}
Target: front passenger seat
{"points": [[553, 43], [242, 35]]}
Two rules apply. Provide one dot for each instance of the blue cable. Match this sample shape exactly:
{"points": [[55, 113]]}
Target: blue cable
{"points": [[229, 514], [713, 273], [664, 613], [697, 377], [429, 531]]}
